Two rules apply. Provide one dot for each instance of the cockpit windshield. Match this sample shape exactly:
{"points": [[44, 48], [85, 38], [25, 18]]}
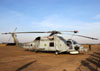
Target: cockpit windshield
{"points": [[74, 42]]}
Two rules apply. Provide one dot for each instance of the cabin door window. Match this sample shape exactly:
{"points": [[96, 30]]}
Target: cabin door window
{"points": [[51, 44]]}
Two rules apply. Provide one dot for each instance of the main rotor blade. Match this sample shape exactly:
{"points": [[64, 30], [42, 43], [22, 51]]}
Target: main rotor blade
{"points": [[30, 32], [45, 32], [85, 37], [54, 32], [24, 32], [75, 31]]}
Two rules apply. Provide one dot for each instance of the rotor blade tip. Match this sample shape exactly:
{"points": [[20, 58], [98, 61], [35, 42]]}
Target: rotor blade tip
{"points": [[75, 31]]}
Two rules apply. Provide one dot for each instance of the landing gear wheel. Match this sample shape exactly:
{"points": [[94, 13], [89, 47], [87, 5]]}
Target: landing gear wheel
{"points": [[56, 52]]}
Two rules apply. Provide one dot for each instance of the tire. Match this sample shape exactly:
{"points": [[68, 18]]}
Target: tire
{"points": [[56, 52]]}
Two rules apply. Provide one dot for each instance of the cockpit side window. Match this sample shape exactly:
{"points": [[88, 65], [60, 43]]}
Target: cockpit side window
{"points": [[69, 43]]}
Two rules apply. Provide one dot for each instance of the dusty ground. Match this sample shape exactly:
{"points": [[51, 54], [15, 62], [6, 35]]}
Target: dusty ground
{"points": [[17, 59]]}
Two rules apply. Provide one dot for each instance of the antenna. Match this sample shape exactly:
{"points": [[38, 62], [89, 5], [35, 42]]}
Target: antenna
{"points": [[75, 32]]}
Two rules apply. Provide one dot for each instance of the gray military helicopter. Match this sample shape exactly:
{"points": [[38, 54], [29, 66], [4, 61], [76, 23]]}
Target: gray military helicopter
{"points": [[53, 42]]}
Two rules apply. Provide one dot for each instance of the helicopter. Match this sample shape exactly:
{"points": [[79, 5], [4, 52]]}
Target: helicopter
{"points": [[52, 42]]}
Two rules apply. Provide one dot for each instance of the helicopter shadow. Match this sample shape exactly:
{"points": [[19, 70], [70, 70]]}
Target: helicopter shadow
{"points": [[49, 52], [92, 63], [26, 65]]}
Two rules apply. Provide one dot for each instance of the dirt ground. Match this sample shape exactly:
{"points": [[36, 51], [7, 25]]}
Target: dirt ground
{"points": [[17, 59]]}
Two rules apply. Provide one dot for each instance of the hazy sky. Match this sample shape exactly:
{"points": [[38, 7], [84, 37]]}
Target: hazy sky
{"points": [[46, 15]]}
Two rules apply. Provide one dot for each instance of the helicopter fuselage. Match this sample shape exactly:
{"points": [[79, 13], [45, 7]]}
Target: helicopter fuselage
{"points": [[54, 43]]}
